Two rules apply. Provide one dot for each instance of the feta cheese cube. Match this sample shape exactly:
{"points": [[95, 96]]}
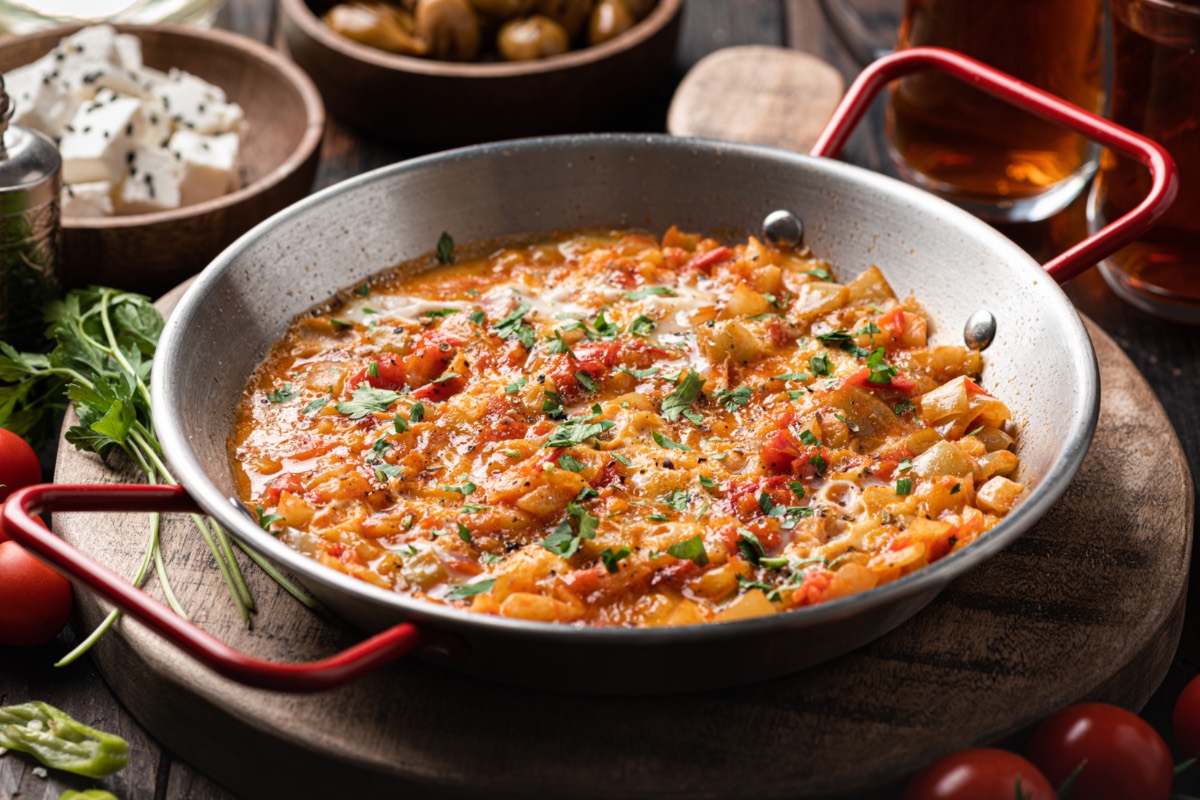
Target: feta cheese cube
{"points": [[197, 106], [128, 52], [87, 199], [152, 184], [97, 141], [156, 125], [209, 164], [93, 43]]}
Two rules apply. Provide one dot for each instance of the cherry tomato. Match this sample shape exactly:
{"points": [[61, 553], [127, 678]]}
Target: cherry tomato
{"points": [[1125, 756], [982, 773], [35, 601], [19, 466], [1186, 720]]}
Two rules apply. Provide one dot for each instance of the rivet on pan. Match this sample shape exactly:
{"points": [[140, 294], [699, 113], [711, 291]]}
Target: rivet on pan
{"points": [[783, 229], [240, 506], [980, 330]]}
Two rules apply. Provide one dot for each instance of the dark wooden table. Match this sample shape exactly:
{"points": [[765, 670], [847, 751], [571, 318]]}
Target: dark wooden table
{"points": [[1167, 354]]}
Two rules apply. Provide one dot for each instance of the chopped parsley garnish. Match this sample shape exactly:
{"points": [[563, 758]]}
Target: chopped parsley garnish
{"points": [[476, 317], [656, 517], [611, 559], [465, 590], [661, 291], [881, 373], [385, 471], [669, 444], [514, 325], [586, 381], [282, 395], [733, 399], [642, 325], [904, 486], [749, 546], [834, 337], [707, 482], [903, 407], [765, 315], [315, 405], [472, 508], [565, 539], [639, 373], [795, 394], [369, 400], [340, 324], [808, 438], [558, 345], [603, 329], [445, 249], [791, 376], [578, 430], [691, 550], [819, 462], [797, 489], [448, 376], [976, 431], [820, 273], [622, 459], [819, 364], [870, 329], [552, 406], [515, 386], [569, 463], [364, 290], [441, 312], [265, 520], [491, 559], [381, 446], [373, 369], [789, 515], [677, 499], [466, 489], [464, 532], [683, 396]]}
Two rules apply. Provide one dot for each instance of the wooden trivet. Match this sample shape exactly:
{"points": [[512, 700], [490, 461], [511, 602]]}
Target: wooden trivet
{"points": [[1088, 604]]}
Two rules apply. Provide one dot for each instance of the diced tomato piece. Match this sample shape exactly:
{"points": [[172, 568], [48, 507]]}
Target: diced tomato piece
{"points": [[585, 583], [781, 454], [675, 573], [430, 356], [469, 568], [974, 388], [442, 390], [886, 464], [503, 420], [593, 359], [389, 373], [861, 379], [608, 474], [742, 496], [706, 261], [813, 588], [288, 482], [892, 323], [942, 545], [336, 550]]}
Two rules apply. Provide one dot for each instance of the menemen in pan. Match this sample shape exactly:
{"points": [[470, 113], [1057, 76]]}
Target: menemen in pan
{"points": [[610, 429]]}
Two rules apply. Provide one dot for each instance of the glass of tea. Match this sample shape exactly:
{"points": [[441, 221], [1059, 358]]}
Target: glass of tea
{"points": [[1156, 91], [975, 150]]}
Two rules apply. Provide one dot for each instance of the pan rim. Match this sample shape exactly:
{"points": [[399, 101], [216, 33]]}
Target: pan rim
{"points": [[930, 579]]}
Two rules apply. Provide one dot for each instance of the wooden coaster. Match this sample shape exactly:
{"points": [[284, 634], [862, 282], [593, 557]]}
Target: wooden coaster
{"points": [[1087, 605], [758, 95]]}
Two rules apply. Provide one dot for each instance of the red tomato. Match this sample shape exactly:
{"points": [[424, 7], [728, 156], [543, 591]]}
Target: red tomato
{"points": [[19, 466], [1125, 756], [1186, 720], [982, 773], [35, 601], [389, 373]]}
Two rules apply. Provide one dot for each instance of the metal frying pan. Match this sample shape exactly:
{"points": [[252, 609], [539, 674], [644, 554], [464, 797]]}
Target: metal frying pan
{"points": [[1041, 362]]}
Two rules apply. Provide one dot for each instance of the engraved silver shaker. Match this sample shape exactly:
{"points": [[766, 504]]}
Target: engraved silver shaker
{"points": [[30, 236]]}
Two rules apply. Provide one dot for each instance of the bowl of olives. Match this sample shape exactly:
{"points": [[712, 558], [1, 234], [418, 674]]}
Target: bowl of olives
{"points": [[440, 73]]}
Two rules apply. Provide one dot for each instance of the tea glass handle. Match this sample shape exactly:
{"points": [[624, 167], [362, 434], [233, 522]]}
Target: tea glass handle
{"points": [[853, 31], [336, 670], [1164, 184]]}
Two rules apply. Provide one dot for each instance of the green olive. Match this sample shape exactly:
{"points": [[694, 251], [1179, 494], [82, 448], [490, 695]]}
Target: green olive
{"points": [[571, 14], [535, 37], [450, 28], [378, 25], [503, 9], [609, 18]]}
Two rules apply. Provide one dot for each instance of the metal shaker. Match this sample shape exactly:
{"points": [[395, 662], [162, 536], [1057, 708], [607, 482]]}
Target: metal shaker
{"points": [[30, 184]]}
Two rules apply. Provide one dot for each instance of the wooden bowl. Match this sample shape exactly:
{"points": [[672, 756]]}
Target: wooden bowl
{"points": [[438, 104], [285, 119]]}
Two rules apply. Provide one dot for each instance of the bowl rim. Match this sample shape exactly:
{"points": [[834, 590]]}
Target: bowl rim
{"points": [[663, 13], [314, 111]]}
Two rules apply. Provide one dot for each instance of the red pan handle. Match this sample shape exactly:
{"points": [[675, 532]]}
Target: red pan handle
{"points": [[1100, 245], [344, 667]]}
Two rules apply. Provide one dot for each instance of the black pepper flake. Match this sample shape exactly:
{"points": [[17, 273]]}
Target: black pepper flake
{"points": [[129, 129]]}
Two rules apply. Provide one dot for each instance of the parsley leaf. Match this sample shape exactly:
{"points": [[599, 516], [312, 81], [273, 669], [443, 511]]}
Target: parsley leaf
{"points": [[315, 405], [565, 539], [466, 489], [445, 249], [834, 337], [282, 395], [515, 386], [669, 444], [385, 471], [465, 590], [677, 499], [707, 482], [661, 291], [642, 325], [820, 273], [367, 400], [552, 406], [749, 546], [881, 373], [265, 520], [904, 486], [586, 381], [611, 559], [735, 398], [464, 532], [514, 326], [416, 413], [577, 430], [476, 317], [639, 373], [622, 459], [819, 364], [569, 463], [683, 396], [808, 438], [603, 328], [690, 550], [903, 407]]}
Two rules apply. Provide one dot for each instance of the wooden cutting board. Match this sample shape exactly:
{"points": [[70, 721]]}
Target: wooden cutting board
{"points": [[1087, 605]]}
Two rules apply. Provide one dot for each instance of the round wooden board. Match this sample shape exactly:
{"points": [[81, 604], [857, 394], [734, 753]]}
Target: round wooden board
{"points": [[1087, 605]]}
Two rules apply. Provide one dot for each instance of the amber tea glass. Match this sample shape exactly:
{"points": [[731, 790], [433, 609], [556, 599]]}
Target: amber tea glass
{"points": [[997, 162], [1156, 91]]}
